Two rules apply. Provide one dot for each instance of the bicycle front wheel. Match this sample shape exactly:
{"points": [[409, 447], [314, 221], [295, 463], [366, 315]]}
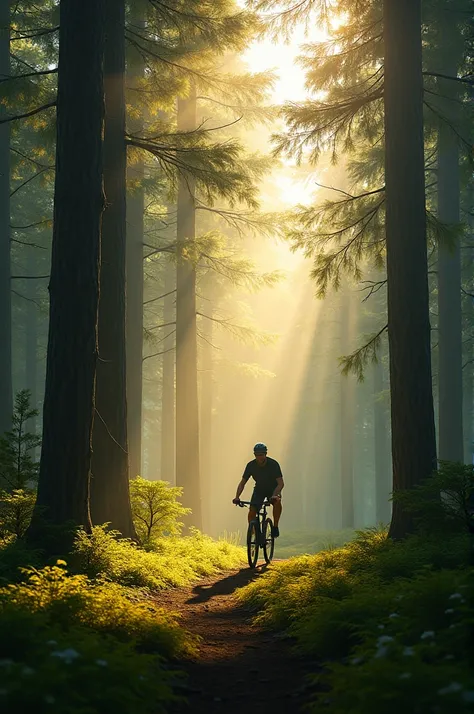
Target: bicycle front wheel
{"points": [[268, 540], [252, 543]]}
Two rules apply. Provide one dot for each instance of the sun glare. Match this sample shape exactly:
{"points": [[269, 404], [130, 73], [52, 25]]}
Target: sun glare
{"points": [[282, 57]]}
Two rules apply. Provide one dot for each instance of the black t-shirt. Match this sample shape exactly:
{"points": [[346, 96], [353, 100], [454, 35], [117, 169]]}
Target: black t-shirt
{"points": [[265, 476]]}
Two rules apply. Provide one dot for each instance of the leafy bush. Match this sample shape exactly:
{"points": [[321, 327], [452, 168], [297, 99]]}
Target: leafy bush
{"points": [[71, 646], [443, 502], [156, 509], [173, 560]]}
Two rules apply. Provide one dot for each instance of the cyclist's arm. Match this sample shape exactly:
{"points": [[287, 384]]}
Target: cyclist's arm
{"points": [[279, 487], [240, 487]]}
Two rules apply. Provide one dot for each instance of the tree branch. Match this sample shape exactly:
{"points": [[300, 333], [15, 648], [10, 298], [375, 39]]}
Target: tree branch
{"points": [[28, 114]]}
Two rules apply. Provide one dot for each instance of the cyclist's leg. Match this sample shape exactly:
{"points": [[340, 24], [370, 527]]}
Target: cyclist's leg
{"points": [[277, 510], [255, 504]]}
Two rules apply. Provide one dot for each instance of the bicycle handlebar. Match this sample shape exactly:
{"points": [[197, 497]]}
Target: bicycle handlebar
{"points": [[242, 504]]}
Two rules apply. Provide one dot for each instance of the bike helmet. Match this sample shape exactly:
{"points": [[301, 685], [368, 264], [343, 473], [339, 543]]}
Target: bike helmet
{"points": [[260, 449]]}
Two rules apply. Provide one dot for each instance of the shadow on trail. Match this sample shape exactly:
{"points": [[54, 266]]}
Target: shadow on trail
{"points": [[226, 586]]}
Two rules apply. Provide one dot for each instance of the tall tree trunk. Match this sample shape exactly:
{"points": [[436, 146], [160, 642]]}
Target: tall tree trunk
{"points": [[110, 495], [31, 339], [135, 220], [413, 429], [383, 475], [347, 416], [6, 396], [167, 470], [207, 382], [468, 390], [449, 260], [187, 409], [68, 414]]}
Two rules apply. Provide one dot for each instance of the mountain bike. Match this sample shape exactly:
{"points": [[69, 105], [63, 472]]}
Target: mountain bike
{"points": [[259, 535]]}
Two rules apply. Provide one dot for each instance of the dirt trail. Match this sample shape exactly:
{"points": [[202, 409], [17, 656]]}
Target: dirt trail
{"points": [[239, 665]]}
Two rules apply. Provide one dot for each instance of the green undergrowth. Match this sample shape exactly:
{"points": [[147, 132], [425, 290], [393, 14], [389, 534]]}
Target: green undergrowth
{"points": [[168, 561], [73, 645], [92, 638], [392, 622]]}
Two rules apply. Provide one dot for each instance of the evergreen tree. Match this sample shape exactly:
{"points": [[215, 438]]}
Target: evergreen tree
{"points": [[110, 499], [64, 477], [413, 430], [6, 393]]}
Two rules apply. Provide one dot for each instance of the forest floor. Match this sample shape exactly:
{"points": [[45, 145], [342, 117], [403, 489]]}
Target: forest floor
{"points": [[239, 664]]}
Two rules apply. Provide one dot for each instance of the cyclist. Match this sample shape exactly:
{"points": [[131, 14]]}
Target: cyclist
{"points": [[266, 473]]}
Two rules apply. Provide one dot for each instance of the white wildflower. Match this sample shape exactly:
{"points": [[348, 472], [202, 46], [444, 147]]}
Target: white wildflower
{"points": [[27, 670], [101, 662], [426, 635], [356, 660], [449, 611], [51, 642], [6, 662], [68, 655], [408, 651], [451, 688], [394, 615], [405, 675], [381, 627], [383, 640], [455, 596], [381, 652]]}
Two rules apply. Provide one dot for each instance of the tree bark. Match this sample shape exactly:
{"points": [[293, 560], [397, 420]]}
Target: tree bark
{"points": [[6, 394], [383, 475], [450, 385], [64, 478], [110, 496], [413, 429], [167, 470], [187, 409], [347, 417], [31, 340], [207, 383], [135, 221], [468, 390]]}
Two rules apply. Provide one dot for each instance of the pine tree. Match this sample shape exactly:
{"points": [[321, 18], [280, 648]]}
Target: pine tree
{"points": [[135, 237], [64, 478], [413, 430], [6, 394], [110, 499], [450, 336], [187, 409]]}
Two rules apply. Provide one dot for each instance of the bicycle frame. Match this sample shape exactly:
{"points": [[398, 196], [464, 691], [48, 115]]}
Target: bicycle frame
{"points": [[261, 514]]}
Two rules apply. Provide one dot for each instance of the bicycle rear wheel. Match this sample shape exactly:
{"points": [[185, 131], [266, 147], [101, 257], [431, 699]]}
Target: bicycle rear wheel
{"points": [[252, 543], [268, 540]]}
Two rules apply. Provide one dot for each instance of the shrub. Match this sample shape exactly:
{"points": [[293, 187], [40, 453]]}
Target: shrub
{"points": [[156, 509], [72, 646], [173, 560]]}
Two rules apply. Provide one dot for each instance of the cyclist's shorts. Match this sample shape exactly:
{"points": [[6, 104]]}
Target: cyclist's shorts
{"points": [[259, 496]]}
